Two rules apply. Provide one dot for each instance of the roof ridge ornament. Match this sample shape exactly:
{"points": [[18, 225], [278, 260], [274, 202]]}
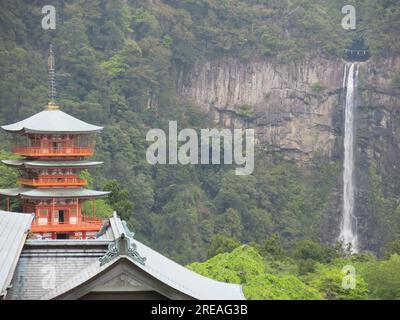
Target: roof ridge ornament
{"points": [[122, 247], [51, 64], [52, 106]]}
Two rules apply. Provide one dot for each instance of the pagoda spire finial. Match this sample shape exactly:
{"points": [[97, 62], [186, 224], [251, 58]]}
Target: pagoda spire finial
{"points": [[52, 79]]}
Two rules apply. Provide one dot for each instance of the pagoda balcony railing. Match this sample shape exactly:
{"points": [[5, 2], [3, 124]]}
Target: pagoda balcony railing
{"points": [[84, 224], [53, 152], [53, 182]]}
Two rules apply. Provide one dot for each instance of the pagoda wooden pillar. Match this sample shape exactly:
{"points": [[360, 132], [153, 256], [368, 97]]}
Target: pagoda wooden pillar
{"points": [[94, 208], [78, 214], [52, 211]]}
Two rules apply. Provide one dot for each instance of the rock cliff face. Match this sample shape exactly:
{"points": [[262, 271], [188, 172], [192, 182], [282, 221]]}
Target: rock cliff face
{"points": [[378, 149], [297, 109], [292, 106]]}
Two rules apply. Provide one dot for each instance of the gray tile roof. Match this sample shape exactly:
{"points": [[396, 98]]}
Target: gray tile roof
{"points": [[46, 264], [77, 279], [52, 121], [53, 193], [163, 269], [13, 231], [50, 268]]}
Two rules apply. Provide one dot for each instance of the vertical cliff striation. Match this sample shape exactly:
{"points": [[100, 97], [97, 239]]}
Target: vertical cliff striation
{"points": [[377, 158], [291, 105]]}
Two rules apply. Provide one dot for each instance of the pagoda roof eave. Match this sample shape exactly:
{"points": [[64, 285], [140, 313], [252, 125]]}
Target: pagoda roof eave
{"points": [[12, 192], [52, 132], [49, 193], [52, 121], [51, 164]]}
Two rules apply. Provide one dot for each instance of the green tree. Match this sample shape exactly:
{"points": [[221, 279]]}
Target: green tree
{"points": [[309, 253], [329, 281], [272, 247], [220, 244], [245, 266], [229, 224], [8, 176], [118, 200], [273, 287], [103, 210], [8, 179], [391, 248], [383, 277]]}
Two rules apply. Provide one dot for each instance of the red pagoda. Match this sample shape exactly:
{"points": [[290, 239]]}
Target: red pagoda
{"points": [[53, 146]]}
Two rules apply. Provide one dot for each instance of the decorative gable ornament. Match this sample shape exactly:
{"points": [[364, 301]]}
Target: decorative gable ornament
{"points": [[122, 247]]}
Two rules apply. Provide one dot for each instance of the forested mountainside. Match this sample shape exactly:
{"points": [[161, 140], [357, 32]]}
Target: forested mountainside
{"points": [[272, 65]]}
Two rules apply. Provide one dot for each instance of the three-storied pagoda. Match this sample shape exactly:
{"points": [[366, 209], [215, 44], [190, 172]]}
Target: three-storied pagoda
{"points": [[54, 145]]}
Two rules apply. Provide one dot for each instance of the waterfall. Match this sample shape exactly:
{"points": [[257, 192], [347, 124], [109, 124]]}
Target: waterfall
{"points": [[348, 228]]}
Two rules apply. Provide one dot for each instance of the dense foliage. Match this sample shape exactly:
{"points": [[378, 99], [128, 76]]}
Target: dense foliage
{"points": [[246, 266], [280, 277]]}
